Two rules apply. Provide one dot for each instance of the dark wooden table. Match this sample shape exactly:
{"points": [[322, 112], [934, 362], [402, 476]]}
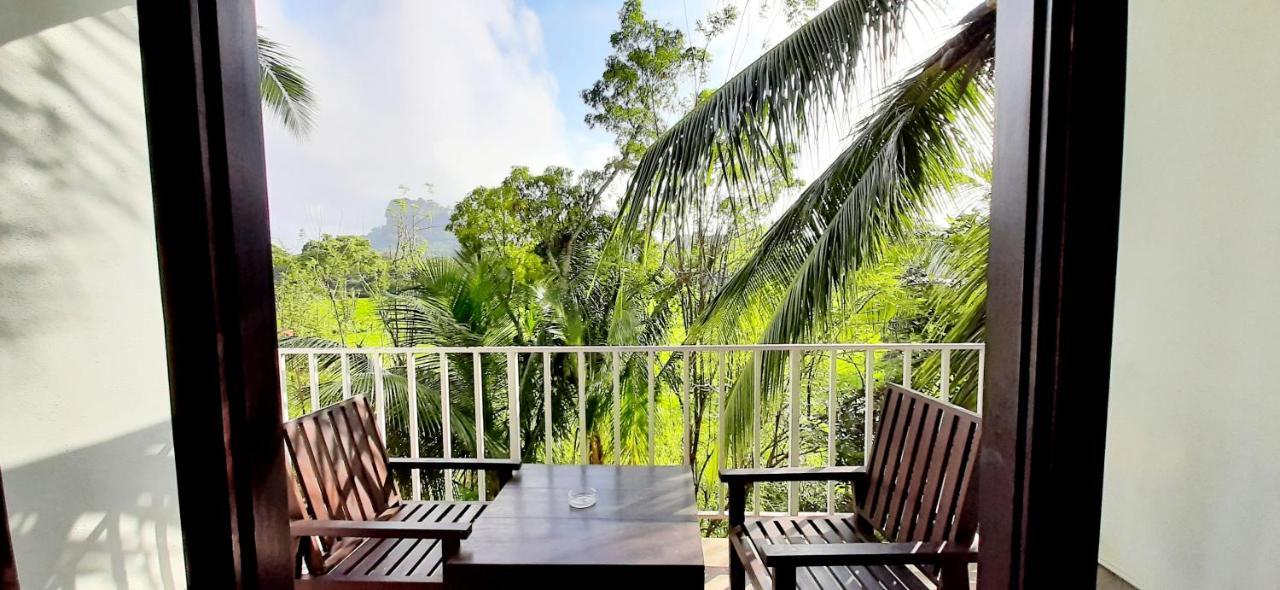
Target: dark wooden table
{"points": [[642, 532]]}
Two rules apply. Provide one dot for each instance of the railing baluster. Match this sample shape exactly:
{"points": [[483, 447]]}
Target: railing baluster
{"points": [[477, 386], [793, 450], [945, 385], [446, 427], [582, 404], [346, 376], [652, 423], [513, 402], [617, 411], [868, 405], [313, 377], [906, 368], [546, 406], [411, 377], [284, 389], [982, 367], [722, 445], [831, 431], [379, 397], [756, 368], [686, 435]]}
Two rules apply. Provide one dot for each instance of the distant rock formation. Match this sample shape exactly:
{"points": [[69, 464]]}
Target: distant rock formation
{"points": [[422, 218]]}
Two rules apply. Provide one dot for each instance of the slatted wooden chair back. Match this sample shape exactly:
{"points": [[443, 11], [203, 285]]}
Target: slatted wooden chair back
{"points": [[921, 471], [342, 473]]}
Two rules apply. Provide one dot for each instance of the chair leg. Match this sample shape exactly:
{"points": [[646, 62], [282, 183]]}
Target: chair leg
{"points": [[737, 573], [784, 578], [954, 577]]}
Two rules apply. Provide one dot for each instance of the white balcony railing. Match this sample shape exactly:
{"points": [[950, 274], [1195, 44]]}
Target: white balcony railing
{"points": [[302, 387]]}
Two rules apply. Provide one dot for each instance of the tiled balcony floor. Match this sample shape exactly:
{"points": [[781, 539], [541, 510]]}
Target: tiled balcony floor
{"points": [[715, 558]]}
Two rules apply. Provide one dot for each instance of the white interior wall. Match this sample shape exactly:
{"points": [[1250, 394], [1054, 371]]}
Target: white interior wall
{"points": [[85, 440], [1192, 484]]}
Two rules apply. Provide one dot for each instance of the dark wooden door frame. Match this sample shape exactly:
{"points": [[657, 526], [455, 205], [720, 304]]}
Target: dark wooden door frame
{"points": [[8, 566], [208, 175], [1060, 82]]}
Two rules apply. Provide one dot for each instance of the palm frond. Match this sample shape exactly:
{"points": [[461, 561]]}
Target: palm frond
{"points": [[747, 124], [916, 145], [284, 89], [960, 263]]}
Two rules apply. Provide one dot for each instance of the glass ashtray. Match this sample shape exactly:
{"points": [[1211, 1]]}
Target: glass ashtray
{"points": [[582, 498]]}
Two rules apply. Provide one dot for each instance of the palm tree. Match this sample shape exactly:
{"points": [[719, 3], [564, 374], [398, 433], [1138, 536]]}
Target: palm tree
{"points": [[464, 301], [285, 92], [959, 263], [928, 134]]}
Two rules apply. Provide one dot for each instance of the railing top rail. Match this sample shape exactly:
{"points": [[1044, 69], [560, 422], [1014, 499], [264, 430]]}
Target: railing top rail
{"points": [[895, 346]]}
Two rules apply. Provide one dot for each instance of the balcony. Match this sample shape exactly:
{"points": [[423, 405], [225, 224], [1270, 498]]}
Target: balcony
{"points": [[711, 407]]}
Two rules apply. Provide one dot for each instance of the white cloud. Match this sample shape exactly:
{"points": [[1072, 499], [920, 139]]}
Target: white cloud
{"points": [[454, 93], [409, 92]]}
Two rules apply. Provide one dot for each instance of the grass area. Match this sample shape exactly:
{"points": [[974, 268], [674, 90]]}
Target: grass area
{"points": [[371, 331], [365, 330]]}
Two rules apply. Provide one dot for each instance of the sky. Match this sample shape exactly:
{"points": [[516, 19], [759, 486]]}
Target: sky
{"points": [[454, 93]]}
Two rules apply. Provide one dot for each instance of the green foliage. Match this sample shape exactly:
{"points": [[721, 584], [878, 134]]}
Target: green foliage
{"points": [[527, 221], [318, 291], [717, 21], [519, 279], [912, 150], [796, 11], [450, 302], [345, 264], [958, 299], [639, 81], [761, 109]]}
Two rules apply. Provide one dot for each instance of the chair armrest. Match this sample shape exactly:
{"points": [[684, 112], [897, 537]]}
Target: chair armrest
{"points": [[502, 465], [380, 529], [793, 474], [739, 478], [851, 554]]}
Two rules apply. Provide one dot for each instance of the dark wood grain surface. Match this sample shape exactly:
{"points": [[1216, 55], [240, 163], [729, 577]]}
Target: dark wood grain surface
{"points": [[8, 567], [917, 508], [643, 530], [213, 237], [353, 528], [1055, 206]]}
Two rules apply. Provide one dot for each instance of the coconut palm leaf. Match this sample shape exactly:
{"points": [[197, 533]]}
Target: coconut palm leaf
{"points": [[284, 90], [746, 124], [449, 303], [916, 145], [960, 263], [891, 177]]}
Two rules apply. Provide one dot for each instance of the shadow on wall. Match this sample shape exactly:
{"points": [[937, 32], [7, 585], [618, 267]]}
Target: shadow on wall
{"points": [[78, 273], [22, 19], [104, 516], [72, 150]]}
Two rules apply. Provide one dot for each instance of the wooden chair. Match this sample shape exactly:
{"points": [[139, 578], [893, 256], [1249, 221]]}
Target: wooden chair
{"points": [[350, 527], [914, 523]]}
